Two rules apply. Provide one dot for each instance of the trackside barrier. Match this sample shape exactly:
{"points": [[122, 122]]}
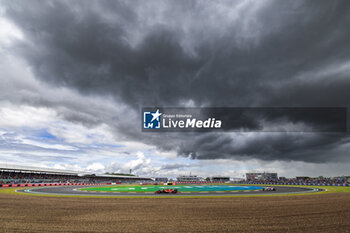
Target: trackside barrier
{"points": [[48, 184], [200, 182], [289, 183]]}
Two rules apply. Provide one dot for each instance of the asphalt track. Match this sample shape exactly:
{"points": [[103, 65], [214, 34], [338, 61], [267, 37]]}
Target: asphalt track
{"points": [[74, 190]]}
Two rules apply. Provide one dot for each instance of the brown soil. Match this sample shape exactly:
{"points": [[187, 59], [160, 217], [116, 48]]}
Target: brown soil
{"points": [[314, 213]]}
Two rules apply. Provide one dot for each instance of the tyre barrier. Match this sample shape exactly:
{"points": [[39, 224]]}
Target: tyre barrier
{"points": [[47, 184]]}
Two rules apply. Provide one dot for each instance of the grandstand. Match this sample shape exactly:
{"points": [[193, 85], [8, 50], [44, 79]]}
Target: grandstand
{"points": [[261, 176], [300, 180], [161, 179], [189, 178], [17, 174], [220, 178]]}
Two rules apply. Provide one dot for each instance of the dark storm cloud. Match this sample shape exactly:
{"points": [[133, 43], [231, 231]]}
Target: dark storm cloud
{"points": [[266, 119], [273, 54], [267, 146]]}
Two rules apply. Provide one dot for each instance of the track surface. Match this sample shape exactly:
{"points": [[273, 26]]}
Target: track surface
{"points": [[71, 190], [265, 214], [180, 188]]}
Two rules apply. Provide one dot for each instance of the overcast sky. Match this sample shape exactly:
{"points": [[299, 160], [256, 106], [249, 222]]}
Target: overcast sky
{"points": [[74, 76]]}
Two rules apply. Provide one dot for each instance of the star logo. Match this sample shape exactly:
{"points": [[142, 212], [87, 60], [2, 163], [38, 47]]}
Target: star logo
{"points": [[156, 115]]}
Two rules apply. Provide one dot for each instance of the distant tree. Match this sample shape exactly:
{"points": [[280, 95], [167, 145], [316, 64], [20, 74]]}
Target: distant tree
{"points": [[119, 174], [207, 179]]}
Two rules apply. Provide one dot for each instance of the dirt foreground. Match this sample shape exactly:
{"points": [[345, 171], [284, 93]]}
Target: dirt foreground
{"points": [[313, 213]]}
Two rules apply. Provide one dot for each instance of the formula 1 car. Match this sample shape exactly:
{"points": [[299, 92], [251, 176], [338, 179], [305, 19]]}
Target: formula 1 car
{"points": [[269, 189], [166, 191]]}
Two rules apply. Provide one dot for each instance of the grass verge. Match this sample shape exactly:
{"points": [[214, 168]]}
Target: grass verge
{"points": [[328, 190]]}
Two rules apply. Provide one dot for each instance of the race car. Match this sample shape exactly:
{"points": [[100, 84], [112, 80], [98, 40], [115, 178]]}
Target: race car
{"points": [[269, 189], [166, 191]]}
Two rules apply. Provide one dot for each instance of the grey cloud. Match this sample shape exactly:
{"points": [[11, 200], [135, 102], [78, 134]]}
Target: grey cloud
{"points": [[308, 147], [176, 166], [167, 53]]}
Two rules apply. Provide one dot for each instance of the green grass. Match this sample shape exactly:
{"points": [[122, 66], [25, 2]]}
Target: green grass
{"points": [[328, 190]]}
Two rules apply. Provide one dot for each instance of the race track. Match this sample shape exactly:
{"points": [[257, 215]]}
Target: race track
{"points": [[74, 190]]}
